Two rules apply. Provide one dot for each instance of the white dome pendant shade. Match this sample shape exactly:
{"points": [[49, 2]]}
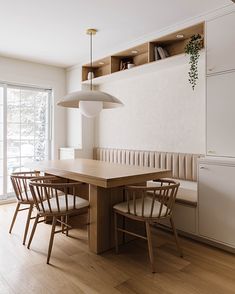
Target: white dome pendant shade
{"points": [[90, 108], [90, 102], [73, 99]]}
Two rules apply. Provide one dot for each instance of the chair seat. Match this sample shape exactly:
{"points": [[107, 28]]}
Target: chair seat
{"points": [[123, 207], [79, 203]]}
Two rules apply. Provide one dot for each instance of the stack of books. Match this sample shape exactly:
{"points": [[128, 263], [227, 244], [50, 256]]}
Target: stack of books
{"points": [[160, 53]]}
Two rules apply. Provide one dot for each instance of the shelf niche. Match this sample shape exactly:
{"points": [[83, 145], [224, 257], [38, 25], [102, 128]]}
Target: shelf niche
{"points": [[143, 53]]}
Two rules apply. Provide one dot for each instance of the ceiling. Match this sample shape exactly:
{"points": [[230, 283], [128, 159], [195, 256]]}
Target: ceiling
{"points": [[53, 31]]}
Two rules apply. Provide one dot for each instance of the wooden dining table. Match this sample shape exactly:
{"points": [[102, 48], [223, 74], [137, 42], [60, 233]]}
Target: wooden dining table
{"points": [[105, 185]]}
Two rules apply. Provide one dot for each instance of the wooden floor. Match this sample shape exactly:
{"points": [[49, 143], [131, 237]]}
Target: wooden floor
{"points": [[75, 270]]}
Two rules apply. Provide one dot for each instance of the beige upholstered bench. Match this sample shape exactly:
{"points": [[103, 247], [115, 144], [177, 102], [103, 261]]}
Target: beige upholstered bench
{"points": [[183, 166]]}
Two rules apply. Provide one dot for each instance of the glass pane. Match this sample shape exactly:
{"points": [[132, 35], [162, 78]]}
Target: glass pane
{"points": [[1, 185], [13, 113], [1, 168], [40, 150], [13, 97], [13, 164], [27, 115], [41, 108], [27, 98], [1, 150], [13, 148], [1, 95], [27, 148], [1, 132], [1, 113], [25, 161], [27, 132], [13, 131], [41, 131], [9, 185]]}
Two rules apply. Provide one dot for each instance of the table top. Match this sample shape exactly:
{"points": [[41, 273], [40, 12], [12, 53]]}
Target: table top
{"points": [[100, 173]]}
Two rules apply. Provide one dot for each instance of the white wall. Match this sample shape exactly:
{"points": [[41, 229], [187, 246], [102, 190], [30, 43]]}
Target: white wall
{"points": [[34, 74], [161, 112], [80, 130], [74, 121]]}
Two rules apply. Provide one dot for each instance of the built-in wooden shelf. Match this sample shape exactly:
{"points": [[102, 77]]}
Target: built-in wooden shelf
{"points": [[143, 56], [140, 70]]}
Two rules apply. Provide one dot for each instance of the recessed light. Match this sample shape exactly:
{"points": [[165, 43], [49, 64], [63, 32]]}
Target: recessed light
{"points": [[101, 63], [134, 51], [179, 36]]}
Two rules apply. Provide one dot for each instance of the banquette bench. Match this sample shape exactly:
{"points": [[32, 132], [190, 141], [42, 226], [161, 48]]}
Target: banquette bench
{"points": [[184, 169]]}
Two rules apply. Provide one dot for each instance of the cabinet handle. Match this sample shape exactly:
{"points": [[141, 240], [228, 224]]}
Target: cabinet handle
{"points": [[203, 167], [211, 151], [211, 69]]}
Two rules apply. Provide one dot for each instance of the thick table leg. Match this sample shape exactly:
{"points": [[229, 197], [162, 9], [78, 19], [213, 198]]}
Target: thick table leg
{"points": [[101, 229]]}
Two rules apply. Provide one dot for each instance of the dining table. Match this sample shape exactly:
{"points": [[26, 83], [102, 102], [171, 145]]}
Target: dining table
{"points": [[104, 184]]}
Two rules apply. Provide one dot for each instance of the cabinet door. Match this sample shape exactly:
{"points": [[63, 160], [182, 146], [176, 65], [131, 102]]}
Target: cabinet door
{"points": [[220, 37], [217, 203], [221, 115]]}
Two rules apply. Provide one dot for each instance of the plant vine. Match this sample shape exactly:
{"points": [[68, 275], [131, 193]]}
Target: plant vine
{"points": [[193, 48]]}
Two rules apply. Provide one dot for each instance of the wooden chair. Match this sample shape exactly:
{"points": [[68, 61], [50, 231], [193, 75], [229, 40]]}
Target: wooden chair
{"points": [[57, 201], [149, 205], [20, 183]]}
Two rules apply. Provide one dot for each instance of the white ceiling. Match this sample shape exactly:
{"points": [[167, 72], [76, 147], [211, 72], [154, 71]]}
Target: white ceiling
{"points": [[53, 31]]}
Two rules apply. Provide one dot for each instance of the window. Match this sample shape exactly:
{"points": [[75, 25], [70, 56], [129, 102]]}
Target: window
{"points": [[24, 129]]}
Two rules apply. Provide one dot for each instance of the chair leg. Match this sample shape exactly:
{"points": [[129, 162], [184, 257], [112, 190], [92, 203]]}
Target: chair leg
{"points": [[115, 232], [88, 217], [14, 217], [123, 227], [33, 231], [150, 245], [62, 225], [51, 239], [27, 223], [67, 228], [176, 237]]}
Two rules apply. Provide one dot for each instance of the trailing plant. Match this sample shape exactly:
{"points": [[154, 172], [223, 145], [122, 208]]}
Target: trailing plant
{"points": [[193, 48]]}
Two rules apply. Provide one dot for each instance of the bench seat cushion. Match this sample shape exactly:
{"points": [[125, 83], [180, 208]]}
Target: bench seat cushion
{"points": [[186, 195]]}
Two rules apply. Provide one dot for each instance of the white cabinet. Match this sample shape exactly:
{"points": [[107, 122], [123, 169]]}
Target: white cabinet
{"points": [[217, 202], [220, 43], [69, 153], [220, 111]]}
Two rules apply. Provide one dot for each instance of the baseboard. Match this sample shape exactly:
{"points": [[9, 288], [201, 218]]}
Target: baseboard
{"points": [[199, 239], [7, 201]]}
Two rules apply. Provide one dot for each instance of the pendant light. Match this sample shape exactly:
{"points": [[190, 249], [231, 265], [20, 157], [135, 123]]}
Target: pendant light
{"points": [[90, 102]]}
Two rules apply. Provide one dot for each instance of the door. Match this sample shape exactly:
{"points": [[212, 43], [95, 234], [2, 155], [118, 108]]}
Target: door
{"points": [[24, 130], [220, 44], [217, 202], [221, 115]]}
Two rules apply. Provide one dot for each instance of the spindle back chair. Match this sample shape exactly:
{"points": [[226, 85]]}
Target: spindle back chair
{"points": [[149, 205], [56, 200], [20, 183]]}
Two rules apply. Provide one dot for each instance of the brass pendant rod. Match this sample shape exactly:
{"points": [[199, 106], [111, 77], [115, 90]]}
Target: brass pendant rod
{"points": [[91, 61]]}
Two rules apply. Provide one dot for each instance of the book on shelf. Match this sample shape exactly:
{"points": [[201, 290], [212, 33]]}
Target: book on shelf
{"points": [[156, 54], [162, 52]]}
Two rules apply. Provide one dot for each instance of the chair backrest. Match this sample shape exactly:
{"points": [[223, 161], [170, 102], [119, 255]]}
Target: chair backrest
{"points": [[20, 183], [161, 197], [46, 190]]}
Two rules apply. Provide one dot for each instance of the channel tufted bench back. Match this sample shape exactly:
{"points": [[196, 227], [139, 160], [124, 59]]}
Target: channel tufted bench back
{"points": [[183, 165]]}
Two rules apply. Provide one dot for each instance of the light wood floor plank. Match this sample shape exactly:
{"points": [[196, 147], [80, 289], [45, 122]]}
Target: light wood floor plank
{"points": [[74, 269]]}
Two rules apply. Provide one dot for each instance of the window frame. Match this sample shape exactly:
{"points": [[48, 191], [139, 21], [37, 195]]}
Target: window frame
{"points": [[6, 86]]}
